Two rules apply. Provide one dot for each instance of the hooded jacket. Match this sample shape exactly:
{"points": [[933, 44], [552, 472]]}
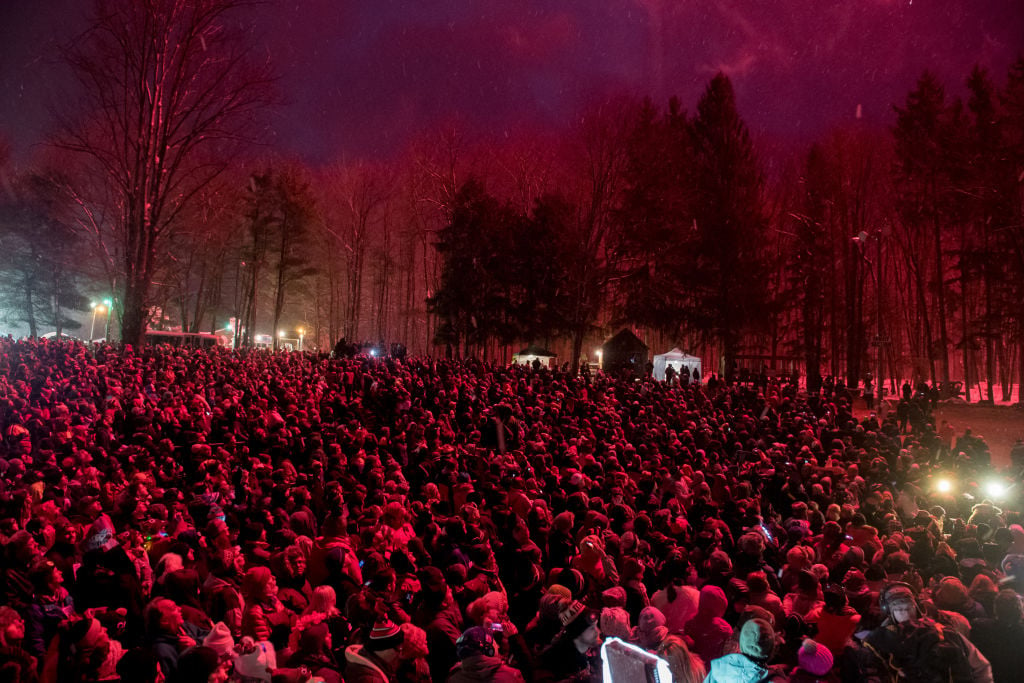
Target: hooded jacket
{"points": [[738, 668], [362, 666], [708, 630], [483, 669]]}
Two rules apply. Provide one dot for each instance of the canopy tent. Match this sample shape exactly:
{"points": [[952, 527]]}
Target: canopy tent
{"points": [[531, 353], [625, 352], [675, 359]]}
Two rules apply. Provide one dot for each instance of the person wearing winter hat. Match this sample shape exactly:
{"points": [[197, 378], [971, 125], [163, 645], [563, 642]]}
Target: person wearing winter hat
{"points": [[480, 661], [574, 650], [708, 630], [650, 629], [614, 623], [750, 664], [910, 645], [376, 660], [814, 663], [220, 640]]}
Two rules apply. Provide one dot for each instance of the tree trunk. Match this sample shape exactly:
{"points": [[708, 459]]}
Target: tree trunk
{"points": [[940, 285], [133, 321], [30, 308]]}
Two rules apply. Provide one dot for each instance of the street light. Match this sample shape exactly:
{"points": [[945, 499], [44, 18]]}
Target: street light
{"points": [[107, 305], [92, 327], [302, 333]]}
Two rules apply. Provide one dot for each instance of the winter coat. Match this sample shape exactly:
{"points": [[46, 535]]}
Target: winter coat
{"points": [[443, 628], [924, 651], [484, 669], [362, 666], [1003, 645], [738, 668], [708, 630], [679, 611], [43, 617], [834, 630]]}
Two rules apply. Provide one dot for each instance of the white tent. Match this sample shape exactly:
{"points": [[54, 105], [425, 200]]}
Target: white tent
{"points": [[530, 353], [676, 359]]}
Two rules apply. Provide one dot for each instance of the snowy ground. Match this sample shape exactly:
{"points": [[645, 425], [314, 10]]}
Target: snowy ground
{"points": [[1000, 424]]}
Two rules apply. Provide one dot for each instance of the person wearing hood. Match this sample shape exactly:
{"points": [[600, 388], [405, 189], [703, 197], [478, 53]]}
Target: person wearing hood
{"points": [[750, 664], [479, 661], [708, 631], [911, 646]]}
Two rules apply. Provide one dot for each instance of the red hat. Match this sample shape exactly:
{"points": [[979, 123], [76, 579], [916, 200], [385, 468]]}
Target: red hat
{"points": [[385, 635]]}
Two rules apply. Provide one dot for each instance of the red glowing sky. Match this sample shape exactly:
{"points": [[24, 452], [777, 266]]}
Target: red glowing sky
{"points": [[361, 79]]}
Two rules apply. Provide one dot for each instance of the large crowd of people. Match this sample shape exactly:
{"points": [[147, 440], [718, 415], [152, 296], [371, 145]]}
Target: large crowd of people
{"points": [[185, 515]]}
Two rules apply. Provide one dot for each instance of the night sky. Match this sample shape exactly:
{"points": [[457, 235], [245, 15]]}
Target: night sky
{"points": [[363, 79]]}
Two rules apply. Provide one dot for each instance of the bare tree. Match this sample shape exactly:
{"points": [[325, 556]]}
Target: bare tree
{"points": [[165, 83]]}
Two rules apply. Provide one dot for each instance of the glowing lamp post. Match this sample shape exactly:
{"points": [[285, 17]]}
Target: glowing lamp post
{"points": [[92, 327], [302, 334], [107, 304]]}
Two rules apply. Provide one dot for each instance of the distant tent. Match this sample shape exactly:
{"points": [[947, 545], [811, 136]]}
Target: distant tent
{"points": [[531, 353], [624, 353], [675, 359]]}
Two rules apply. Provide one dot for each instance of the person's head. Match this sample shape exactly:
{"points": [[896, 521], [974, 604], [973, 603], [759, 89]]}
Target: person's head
{"points": [[1007, 607], [814, 658], [414, 642], [163, 616], [12, 627], [757, 640], [139, 665], [294, 562], [200, 665], [385, 639], [651, 629], [898, 602], [580, 625], [45, 576], [474, 642], [807, 583], [835, 599], [259, 585], [324, 600], [685, 666]]}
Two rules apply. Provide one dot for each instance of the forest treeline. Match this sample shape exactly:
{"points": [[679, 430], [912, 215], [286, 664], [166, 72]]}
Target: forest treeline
{"points": [[897, 250]]}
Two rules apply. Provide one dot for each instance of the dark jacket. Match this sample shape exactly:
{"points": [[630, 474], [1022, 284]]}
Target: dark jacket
{"points": [[362, 666], [484, 669]]}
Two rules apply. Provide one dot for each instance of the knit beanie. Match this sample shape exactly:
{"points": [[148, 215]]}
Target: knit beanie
{"points": [[385, 635], [220, 640], [615, 623], [814, 658], [757, 640], [614, 597]]}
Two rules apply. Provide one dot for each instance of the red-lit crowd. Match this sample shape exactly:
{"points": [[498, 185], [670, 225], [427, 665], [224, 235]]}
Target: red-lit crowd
{"points": [[183, 515]]}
